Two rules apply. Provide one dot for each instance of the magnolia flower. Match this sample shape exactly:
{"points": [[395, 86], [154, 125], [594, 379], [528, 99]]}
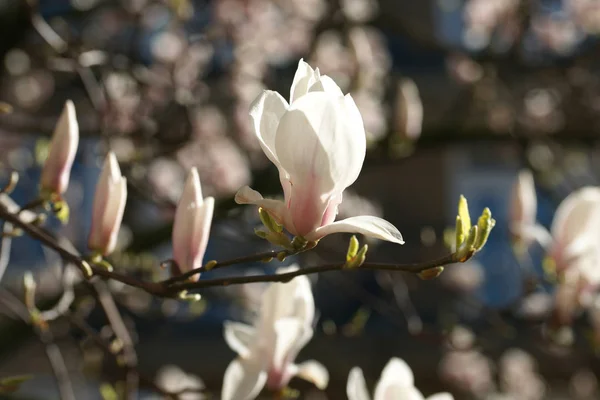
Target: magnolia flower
{"points": [[57, 169], [575, 234], [266, 351], [396, 383], [318, 144], [108, 207], [173, 379], [523, 208], [191, 227]]}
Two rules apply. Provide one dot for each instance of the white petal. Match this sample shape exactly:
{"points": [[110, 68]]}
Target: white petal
{"points": [[397, 371], [292, 299], [303, 79], [243, 380], [397, 392], [276, 208], [326, 84], [321, 139], [65, 139], [356, 388], [577, 215], [315, 372], [266, 111], [441, 396], [534, 232], [523, 205], [239, 337], [364, 224], [287, 333]]}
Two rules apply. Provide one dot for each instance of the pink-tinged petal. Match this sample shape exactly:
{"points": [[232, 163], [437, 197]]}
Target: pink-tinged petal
{"points": [[326, 84], [239, 337], [266, 111], [409, 109], [243, 380], [314, 372], [322, 147], [114, 215], [366, 225], [108, 207], [287, 332], [523, 204], [191, 225], [307, 206], [576, 223], [332, 209], [201, 232], [275, 208], [566, 296], [63, 147], [356, 388], [304, 78]]}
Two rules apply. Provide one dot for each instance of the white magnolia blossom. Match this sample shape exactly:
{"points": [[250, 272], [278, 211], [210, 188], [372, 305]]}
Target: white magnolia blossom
{"points": [[173, 379], [318, 144], [191, 227], [396, 383], [523, 208], [109, 204], [63, 147], [267, 350], [575, 234]]}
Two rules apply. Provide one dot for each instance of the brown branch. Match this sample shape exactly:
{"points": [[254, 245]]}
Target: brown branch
{"points": [[171, 287]]}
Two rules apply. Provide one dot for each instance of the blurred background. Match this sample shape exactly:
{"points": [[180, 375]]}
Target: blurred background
{"points": [[456, 95]]}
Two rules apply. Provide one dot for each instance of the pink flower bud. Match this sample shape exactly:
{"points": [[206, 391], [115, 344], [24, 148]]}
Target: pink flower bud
{"points": [[191, 227], [57, 169], [108, 208]]}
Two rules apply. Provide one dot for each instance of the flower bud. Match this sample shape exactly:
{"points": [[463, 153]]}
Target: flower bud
{"points": [[191, 227], [63, 147], [108, 207]]}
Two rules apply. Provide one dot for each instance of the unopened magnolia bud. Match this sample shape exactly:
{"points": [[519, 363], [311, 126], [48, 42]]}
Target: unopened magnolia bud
{"points": [[63, 147], [191, 228], [108, 208]]}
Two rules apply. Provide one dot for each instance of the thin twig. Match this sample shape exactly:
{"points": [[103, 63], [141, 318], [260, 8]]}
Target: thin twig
{"points": [[83, 326], [122, 333], [57, 361]]}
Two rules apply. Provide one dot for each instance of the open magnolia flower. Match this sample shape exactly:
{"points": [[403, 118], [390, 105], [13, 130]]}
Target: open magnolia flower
{"points": [[63, 147], [191, 227], [267, 350], [523, 208], [396, 383], [318, 144], [109, 204], [575, 231]]}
